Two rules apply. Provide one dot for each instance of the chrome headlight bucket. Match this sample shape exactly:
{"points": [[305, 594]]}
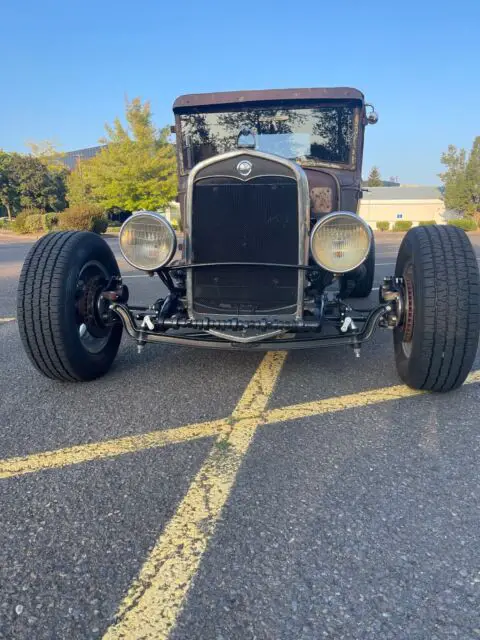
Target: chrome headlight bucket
{"points": [[340, 241], [147, 240]]}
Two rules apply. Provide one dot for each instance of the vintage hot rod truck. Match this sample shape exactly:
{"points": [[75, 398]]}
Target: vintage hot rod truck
{"points": [[269, 184]]}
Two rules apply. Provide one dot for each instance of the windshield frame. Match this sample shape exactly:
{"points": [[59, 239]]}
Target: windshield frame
{"points": [[351, 165]]}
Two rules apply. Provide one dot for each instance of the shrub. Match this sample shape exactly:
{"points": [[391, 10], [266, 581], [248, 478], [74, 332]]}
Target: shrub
{"points": [[424, 223], [402, 225], [383, 226], [34, 223], [100, 225], [38, 222], [83, 217], [50, 221], [5, 223], [33, 211], [18, 224], [467, 224]]}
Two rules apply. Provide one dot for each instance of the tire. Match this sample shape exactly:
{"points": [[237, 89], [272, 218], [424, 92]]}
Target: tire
{"points": [[435, 349], [47, 307], [363, 288]]}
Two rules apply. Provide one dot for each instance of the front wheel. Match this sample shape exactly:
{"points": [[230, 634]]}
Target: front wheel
{"points": [[58, 306], [363, 287], [436, 343]]}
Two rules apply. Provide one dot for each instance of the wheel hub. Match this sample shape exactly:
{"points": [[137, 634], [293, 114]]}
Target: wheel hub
{"points": [[91, 309], [89, 306]]}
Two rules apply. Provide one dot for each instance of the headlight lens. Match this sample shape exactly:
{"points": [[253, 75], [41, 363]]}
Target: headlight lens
{"points": [[147, 240], [340, 241]]}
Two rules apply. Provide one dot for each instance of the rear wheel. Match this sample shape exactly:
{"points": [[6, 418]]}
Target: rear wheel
{"points": [[437, 341], [59, 307]]}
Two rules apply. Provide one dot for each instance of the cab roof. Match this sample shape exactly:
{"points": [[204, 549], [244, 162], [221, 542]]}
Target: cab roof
{"points": [[195, 100]]}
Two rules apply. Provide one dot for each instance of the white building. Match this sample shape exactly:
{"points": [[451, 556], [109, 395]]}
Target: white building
{"points": [[390, 204]]}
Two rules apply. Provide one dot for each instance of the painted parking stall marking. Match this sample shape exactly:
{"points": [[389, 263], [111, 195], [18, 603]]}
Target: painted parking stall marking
{"points": [[154, 601], [78, 454], [56, 459]]}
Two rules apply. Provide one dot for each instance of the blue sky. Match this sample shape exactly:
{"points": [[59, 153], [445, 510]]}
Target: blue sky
{"points": [[67, 66]]}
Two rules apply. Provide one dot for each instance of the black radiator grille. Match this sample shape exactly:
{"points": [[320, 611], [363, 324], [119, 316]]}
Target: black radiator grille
{"points": [[251, 221]]}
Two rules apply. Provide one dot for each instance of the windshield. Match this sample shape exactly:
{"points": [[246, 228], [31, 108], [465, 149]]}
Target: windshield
{"points": [[315, 135]]}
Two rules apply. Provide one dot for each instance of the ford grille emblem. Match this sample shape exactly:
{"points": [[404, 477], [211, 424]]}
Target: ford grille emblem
{"points": [[244, 168]]}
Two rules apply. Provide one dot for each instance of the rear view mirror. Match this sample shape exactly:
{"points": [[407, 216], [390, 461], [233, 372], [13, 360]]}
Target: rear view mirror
{"points": [[246, 139]]}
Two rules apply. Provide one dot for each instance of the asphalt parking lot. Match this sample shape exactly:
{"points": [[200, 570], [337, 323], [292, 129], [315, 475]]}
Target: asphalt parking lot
{"points": [[210, 495]]}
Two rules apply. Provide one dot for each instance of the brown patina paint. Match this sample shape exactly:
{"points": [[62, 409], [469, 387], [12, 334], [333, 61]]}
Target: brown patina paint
{"points": [[266, 95]]}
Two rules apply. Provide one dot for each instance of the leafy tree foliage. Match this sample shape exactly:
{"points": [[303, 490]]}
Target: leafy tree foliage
{"points": [[472, 175], [462, 178], [79, 187], [135, 170], [38, 185], [9, 196], [374, 179], [30, 182], [454, 178], [45, 150]]}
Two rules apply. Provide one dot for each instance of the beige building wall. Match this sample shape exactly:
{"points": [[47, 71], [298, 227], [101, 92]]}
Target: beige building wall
{"points": [[374, 211]]}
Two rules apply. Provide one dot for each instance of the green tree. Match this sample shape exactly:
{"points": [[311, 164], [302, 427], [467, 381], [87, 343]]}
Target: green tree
{"points": [[79, 190], [374, 179], [9, 196], [38, 185], [472, 175], [135, 170], [47, 153], [27, 181], [456, 193], [44, 150]]}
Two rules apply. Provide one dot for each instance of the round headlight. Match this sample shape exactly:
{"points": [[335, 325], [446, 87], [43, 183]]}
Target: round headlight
{"points": [[147, 240], [340, 241]]}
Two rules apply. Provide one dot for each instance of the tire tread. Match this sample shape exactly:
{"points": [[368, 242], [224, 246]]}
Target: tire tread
{"points": [[449, 296], [40, 303]]}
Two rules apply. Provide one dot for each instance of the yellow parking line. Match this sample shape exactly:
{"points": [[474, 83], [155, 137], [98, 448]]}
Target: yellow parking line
{"points": [[110, 448], [251, 406], [154, 601], [2, 320], [341, 403], [257, 394]]}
